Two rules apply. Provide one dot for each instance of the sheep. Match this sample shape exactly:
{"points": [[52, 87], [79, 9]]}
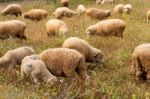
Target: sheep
{"points": [[13, 28], [90, 53], [110, 27], [65, 62], [56, 27], [32, 65], [104, 1], [140, 65], [64, 3], [81, 9], [127, 8], [98, 13], [15, 56], [119, 8], [12, 9], [148, 15], [36, 14], [64, 12]]}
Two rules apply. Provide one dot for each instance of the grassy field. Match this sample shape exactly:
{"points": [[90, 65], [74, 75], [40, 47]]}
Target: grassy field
{"points": [[113, 81]]}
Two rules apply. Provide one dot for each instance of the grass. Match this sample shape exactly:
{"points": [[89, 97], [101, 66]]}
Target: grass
{"points": [[110, 82]]}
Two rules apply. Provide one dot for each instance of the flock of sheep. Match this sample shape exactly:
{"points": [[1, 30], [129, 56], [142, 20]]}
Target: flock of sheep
{"points": [[69, 60]]}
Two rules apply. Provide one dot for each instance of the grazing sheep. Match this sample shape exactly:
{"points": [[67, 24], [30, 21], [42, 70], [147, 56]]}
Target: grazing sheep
{"points": [[127, 8], [119, 8], [56, 27], [64, 3], [104, 1], [14, 28], [81, 9], [13, 9], [98, 13], [140, 66], [148, 15], [32, 65], [36, 14], [90, 53], [15, 56], [65, 62], [110, 27], [64, 12]]}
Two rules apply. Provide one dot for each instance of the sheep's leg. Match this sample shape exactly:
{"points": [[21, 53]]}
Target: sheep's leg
{"points": [[12, 64], [70, 72], [83, 73], [22, 73]]}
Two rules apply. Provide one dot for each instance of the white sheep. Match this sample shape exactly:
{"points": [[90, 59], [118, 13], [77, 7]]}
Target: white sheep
{"points": [[104, 1], [13, 9], [64, 12], [109, 27], [65, 62], [56, 27], [14, 28], [81, 9], [119, 8], [90, 53], [127, 8], [140, 66], [98, 13], [33, 66], [15, 56]]}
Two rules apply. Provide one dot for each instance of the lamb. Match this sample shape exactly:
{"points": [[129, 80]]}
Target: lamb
{"points": [[104, 1], [64, 12], [32, 65], [119, 8], [127, 8], [110, 27], [13, 28], [64, 62], [36, 14], [64, 3], [12, 9], [15, 56], [140, 66], [98, 13], [90, 53], [148, 15], [81, 9], [56, 27]]}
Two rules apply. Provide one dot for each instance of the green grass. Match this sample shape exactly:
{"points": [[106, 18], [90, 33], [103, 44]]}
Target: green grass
{"points": [[110, 82]]}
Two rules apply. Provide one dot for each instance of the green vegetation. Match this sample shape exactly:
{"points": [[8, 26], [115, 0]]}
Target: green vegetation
{"points": [[113, 81]]}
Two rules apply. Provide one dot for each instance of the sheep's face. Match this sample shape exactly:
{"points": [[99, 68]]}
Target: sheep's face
{"points": [[108, 13], [52, 80], [25, 15], [90, 31], [98, 58], [63, 30]]}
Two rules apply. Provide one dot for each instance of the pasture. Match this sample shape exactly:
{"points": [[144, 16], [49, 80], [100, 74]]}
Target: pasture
{"points": [[113, 81]]}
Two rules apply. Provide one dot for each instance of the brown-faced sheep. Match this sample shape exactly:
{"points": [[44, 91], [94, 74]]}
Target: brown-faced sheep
{"points": [[36, 14], [148, 15], [33, 66], [64, 12], [65, 62], [64, 3], [13, 28], [110, 27], [90, 53], [127, 8], [56, 27], [119, 8], [12, 9], [98, 13], [104, 1], [15, 56], [81, 9], [140, 66]]}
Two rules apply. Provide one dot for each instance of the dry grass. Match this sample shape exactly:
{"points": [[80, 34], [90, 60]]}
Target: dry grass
{"points": [[112, 81]]}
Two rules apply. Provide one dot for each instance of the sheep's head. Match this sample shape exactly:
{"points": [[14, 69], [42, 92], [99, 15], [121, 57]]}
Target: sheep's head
{"points": [[26, 15], [97, 56], [63, 29], [90, 30], [108, 13]]}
